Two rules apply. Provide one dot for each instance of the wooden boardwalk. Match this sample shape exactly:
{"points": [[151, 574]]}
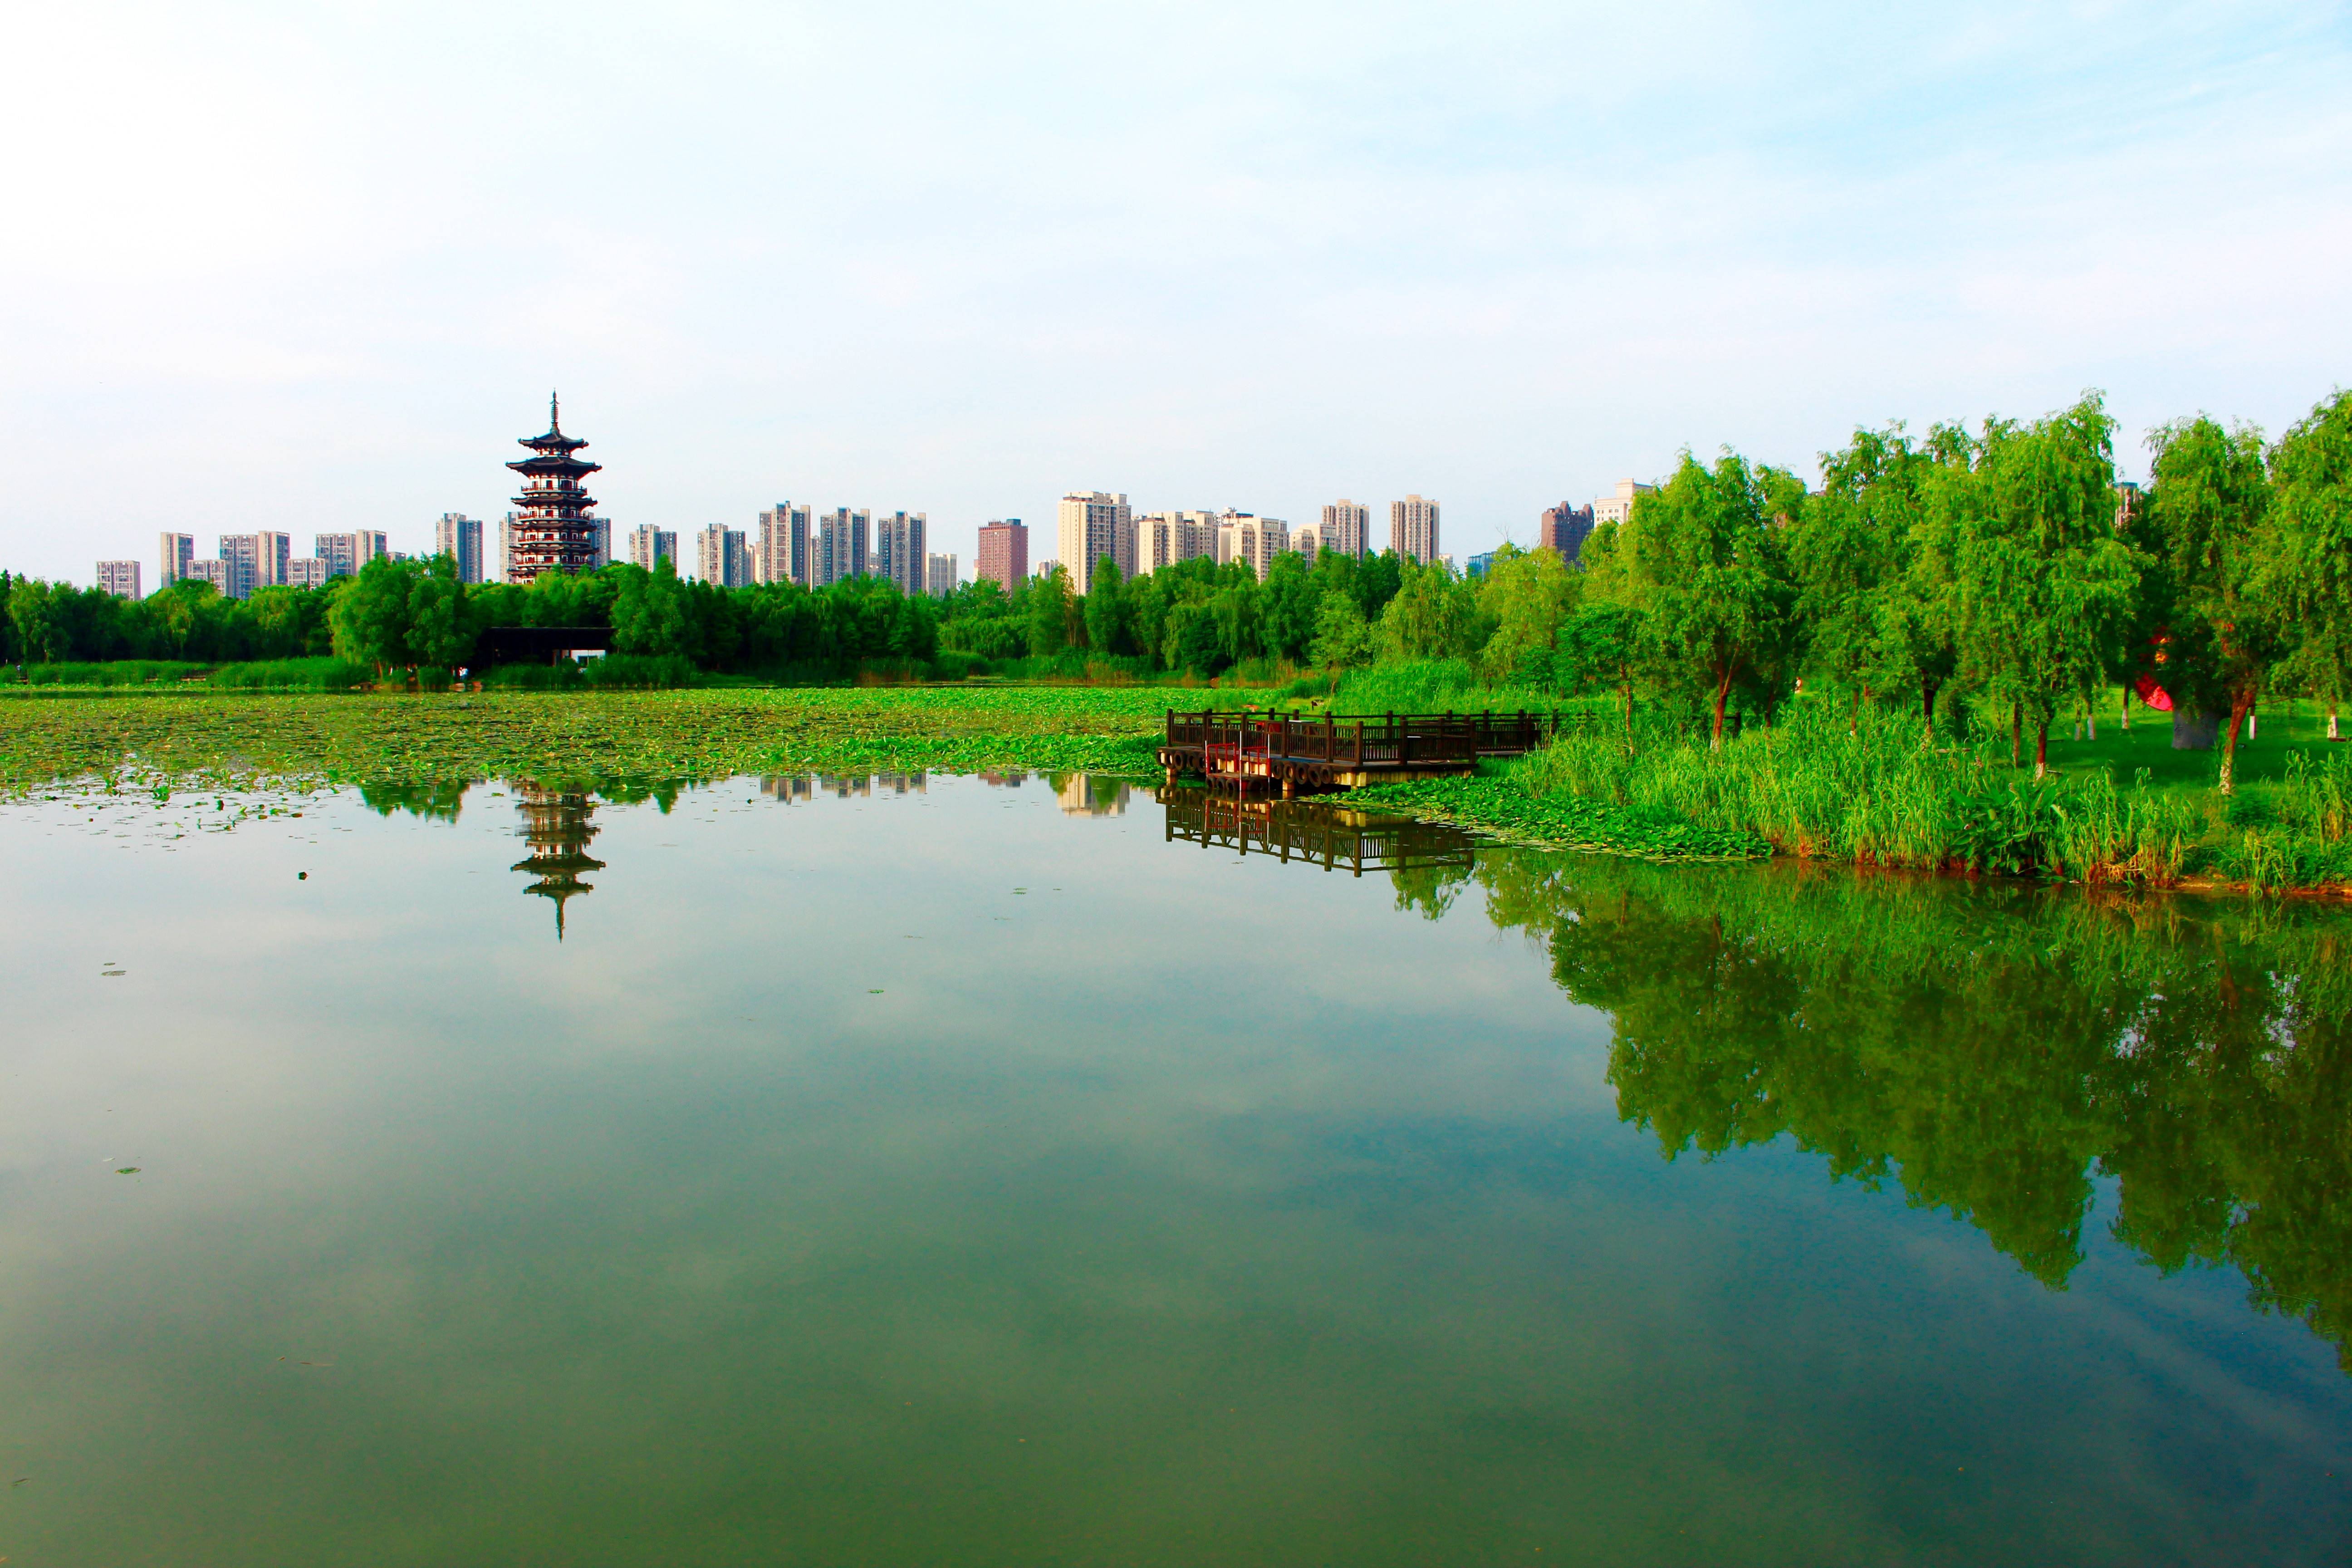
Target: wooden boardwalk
{"points": [[1255, 751]]}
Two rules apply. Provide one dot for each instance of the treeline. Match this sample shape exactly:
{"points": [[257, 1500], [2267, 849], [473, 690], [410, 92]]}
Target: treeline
{"points": [[1998, 572]]}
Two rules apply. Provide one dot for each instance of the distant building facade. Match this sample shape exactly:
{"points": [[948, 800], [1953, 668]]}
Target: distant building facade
{"points": [[649, 546], [939, 577], [1003, 557], [459, 537], [119, 578], [1095, 526], [1413, 528], [215, 571], [1167, 538], [1564, 529], [345, 553], [902, 553], [178, 550], [842, 537], [782, 553], [1243, 536], [1347, 528], [305, 572], [1619, 507], [722, 558]]}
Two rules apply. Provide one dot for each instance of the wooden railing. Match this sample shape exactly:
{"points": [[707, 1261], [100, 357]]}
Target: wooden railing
{"points": [[1357, 742]]}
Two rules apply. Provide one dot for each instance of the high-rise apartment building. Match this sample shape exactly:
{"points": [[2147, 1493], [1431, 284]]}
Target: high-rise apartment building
{"points": [[345, 553], [214, 572], [782, 554], [902, 552], [721, 557], [841, 545], [178, 549], [459, 537], [1003, 553], [1619, 507], [1095, 526], [119, 578], [939, 576], [1311, 539], [650, 546], [1165, 538], [1347, 528], [1243, 536], [305, 572], [1564, 529], [1413, 528], [240, 555]]}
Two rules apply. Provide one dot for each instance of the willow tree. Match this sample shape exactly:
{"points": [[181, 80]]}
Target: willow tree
{"points": [[1705, 559], [1851, 552], [2311, 563], [2209, 506], [2043, 580]]}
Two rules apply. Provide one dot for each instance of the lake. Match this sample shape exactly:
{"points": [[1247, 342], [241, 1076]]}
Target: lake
{"points": [[1013, 1170]]}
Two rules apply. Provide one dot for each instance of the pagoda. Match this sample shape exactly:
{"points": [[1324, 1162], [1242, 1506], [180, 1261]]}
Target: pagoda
{"points": [[553, 532]]}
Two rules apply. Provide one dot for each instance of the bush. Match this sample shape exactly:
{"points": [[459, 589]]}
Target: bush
{"points": [[291, 675], [652, 672]]}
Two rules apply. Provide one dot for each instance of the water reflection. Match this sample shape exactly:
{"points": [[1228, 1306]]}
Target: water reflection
{"points": [[1991, 1050], [556, 825], [1091, 794], [1318, 833]]}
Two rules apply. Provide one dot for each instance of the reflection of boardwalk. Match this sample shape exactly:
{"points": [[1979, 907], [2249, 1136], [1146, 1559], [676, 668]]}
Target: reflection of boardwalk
{"points": [[1327, 836], [556, 824], [1253, 750]]}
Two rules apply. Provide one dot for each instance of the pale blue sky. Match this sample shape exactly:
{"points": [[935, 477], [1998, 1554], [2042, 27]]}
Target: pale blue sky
{"points": [[263, 266]]}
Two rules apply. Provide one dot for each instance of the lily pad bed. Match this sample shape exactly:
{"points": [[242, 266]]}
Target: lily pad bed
{"points": [[1563, 821]]}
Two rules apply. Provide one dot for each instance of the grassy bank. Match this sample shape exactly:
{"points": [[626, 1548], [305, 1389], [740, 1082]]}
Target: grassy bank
{"points": [[226, 739], [1826, 786]]}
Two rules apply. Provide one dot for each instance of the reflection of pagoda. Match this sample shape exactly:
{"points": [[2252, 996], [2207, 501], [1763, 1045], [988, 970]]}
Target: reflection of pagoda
{"points": [[554, 533], [556, 823]]}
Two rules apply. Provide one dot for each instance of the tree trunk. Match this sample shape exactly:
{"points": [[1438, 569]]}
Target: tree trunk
{"points": [[1853, 720], [1627, 688], [2040, 751], [2016, 733], [2240, 703], [1926, 713], [2125, 707], [2331, 723], [1722, 690]]}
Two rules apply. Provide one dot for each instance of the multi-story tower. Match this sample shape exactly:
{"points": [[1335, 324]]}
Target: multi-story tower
{"points": [[939, 576], [305, 572], [1243, 536], [240, 556], [841, 545], [459, 537], [119, 578], [554, 531], [1096, 525], [1619, 507], [1311, 539], [213, 571], [1003, 553], [271, 552], [783, 553], [900, 553], [721, 558], [1347, 528], [1413, 528], [1155, 543], [178, 549], [1564, 529], [649, 546]]}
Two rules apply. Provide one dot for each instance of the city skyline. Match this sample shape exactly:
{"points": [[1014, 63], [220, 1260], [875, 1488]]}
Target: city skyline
{"points": [[1616, 248]]}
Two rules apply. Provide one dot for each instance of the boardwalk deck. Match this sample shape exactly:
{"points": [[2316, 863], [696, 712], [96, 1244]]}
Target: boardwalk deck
{"points": [[1252, 751]]}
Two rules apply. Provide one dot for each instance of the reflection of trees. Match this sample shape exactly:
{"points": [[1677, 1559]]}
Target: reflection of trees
{"points": [[436, 798], [1991, 1050], [556, 824]]}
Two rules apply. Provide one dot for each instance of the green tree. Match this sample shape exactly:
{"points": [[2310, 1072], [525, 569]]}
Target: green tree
{"points": [[1105, 613], [1435, 615], [2209, 508], [652, 615], [1850, 555], [1705, 559], [2310, 570], [2044, 580], [371, 618], [1343, 639], [1051, 606], [1525, 596]]}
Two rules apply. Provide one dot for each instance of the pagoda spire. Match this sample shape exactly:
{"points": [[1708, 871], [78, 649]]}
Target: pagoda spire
{"points": [[554, 414]]}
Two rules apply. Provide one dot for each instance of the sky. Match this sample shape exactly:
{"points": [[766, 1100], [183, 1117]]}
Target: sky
{"points": [[309, 267]]}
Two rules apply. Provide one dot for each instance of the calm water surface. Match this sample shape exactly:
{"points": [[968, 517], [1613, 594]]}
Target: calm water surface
{"points": [[958, 1171]]}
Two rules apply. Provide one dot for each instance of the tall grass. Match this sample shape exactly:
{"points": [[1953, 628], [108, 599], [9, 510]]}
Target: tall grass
{"points": [[1824, 785], [1434, 686]]}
